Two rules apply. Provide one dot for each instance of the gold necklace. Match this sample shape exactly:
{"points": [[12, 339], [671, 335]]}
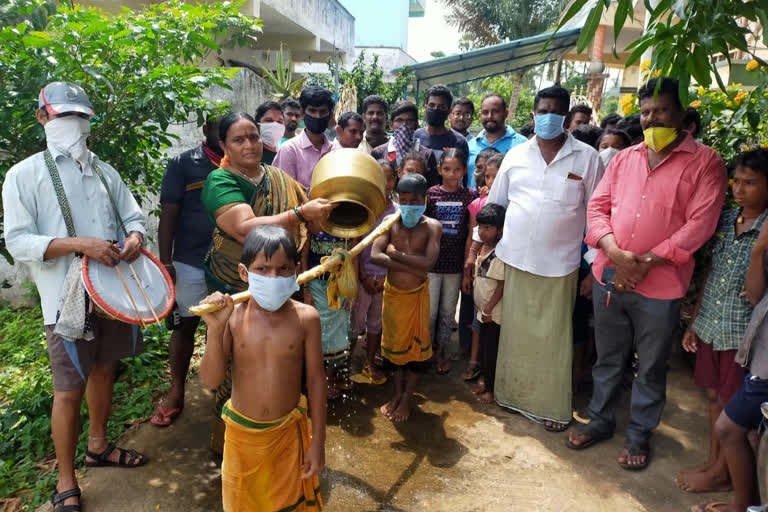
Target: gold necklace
{"points": [[740, 218], [255, 181]]}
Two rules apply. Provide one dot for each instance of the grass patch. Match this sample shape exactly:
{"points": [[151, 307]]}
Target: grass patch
{"points": [[27, 466]]}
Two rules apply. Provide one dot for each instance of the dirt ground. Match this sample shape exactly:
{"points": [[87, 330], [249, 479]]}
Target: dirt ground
{"points": [[453, 454]]}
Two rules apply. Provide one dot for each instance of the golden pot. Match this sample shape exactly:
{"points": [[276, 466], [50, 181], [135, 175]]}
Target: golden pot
{"points": [[354, 180]]}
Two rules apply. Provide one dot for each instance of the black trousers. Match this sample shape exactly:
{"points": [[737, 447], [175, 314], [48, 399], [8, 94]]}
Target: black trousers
{"points": [[489, 350]]}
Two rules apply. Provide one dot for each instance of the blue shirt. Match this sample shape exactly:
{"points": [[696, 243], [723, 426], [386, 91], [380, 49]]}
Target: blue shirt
{"points": [[479, 143]]}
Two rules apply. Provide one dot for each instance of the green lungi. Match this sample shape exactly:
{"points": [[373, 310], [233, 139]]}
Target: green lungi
{"points": [[533, 370]]}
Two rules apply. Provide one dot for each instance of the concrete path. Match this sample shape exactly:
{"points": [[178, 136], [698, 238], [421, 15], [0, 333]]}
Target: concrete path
{"points": [[453, 454]]}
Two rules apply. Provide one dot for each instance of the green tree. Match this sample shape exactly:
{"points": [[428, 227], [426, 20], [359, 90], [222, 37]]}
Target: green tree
{"points": [[141, 69], [504, 86], [687, 39], [368, 78], [483, 23]]}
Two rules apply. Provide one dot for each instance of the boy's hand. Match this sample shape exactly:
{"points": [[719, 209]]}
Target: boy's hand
{"points": [[380, 285], [466, 285], [761, 244], [485, 318], [484, 191], [391, 251], [370, 286], [585, 290], [218, 318], [690, 341], [314, 461]]}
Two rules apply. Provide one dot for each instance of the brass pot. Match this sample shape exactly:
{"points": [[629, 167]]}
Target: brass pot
{"points": [[354, 180]]}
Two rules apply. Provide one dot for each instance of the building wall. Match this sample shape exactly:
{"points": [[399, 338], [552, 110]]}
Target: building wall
{"points": [[380, 23], [247, 93]]}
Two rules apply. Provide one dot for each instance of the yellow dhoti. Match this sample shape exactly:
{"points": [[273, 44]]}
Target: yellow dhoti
{"points": [[261, 469], [405, 336]]}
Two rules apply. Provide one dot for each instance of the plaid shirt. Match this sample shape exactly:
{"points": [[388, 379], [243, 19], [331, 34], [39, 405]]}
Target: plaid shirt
{"points": [[724, 315]]}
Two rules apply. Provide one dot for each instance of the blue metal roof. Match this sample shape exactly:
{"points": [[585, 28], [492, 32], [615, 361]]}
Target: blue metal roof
{"points": [[495, 60]]}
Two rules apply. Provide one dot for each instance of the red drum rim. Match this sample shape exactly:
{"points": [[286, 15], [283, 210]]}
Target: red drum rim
{"points": [[101, 303]]}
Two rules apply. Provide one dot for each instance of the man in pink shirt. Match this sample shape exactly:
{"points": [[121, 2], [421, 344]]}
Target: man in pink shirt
{"points": [[298, 156], [658, 202]]}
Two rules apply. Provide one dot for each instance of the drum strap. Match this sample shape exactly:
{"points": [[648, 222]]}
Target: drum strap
{"points": [[61, 196]]}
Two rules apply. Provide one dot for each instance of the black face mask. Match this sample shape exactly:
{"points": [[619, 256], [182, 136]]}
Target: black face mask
{"points": [[436, 117], [316, 124]]}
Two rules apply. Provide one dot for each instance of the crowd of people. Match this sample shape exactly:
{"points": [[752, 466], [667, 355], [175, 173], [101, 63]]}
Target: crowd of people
{"points": [[562, 246]]}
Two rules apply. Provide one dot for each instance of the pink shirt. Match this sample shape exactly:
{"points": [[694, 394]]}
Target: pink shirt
{"points": [[297, 157], [477, 205], [671, 211]]}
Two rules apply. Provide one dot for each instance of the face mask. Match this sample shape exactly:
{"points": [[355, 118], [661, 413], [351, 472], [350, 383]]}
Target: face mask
{"points": [[68, 135], [548, 126], [411, 214], [607, 154], [316, 124], [271, 133], [271, 292], [659, 137], [436, 117]]}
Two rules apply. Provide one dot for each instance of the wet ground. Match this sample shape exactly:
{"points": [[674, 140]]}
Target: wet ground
{"points": [[453, 454]]}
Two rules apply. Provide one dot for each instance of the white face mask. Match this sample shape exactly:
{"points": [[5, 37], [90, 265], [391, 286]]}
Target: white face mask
{"points": [[68, 135], [271, 133], [607, 155]]}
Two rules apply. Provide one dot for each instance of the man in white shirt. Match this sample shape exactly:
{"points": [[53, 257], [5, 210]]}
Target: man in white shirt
{"points": [[544, 184], [36, 234]]}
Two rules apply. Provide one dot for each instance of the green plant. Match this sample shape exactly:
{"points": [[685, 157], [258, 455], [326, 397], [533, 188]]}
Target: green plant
{"points": [[686, 38], [368, 78], [141, 69], [281, 81], [504, 86]]}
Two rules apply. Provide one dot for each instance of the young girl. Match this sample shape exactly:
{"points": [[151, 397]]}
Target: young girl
{"points": [[366, 316], [447, 203], [484, 182], [334, 322], [412, 162]]}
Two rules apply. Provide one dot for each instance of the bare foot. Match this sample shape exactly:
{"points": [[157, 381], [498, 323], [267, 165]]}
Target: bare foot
{"points": [[485, 398], [402, 412], [707, 481], [701, 468], [635, 461], [479, 389], [719, 507], [388, 408]]}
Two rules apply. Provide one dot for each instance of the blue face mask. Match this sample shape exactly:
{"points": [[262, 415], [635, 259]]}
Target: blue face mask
{"points": [[410, 214], [548, 126], [271, 292]]}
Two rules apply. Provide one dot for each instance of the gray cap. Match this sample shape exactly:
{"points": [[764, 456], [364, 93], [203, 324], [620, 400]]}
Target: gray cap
{"points": [[62, 97]]}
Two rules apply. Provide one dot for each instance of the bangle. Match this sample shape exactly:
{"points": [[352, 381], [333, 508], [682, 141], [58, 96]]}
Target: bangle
{"points": [[301, 218]]}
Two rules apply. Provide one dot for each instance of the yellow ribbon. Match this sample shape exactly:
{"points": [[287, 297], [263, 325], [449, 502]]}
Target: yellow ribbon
{"points": [[343, 281]]}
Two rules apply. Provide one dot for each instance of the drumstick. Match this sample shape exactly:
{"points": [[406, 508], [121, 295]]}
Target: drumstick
{"points": [[135, 307], [313, 273], [143, 291]]}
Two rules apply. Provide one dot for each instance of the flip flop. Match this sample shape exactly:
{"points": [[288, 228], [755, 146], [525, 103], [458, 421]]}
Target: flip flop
{"points": [[594, 438], [635, 450], [163, 418], [473, 371], [366, 377], [709, 507]]}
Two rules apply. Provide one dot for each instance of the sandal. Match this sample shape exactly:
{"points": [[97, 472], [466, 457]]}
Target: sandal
{"points": [[127, 459], [594, 438], [635, 450], [473, 371], [163, 418], [60, 497], [557, 427]]}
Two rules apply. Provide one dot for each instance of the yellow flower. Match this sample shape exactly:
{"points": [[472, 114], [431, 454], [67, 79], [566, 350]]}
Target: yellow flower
{"points": [[696, 104], [753, 65], [745, 147], [764, 144], [645, 64], [700, 91], [729, 104]]}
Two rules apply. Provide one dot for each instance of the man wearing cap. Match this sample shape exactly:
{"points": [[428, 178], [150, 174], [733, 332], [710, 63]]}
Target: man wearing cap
{"points": [[57, 205]]}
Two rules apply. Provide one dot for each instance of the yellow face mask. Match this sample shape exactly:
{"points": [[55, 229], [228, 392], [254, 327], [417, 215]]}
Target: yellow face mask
{"points": [[659, 137]]}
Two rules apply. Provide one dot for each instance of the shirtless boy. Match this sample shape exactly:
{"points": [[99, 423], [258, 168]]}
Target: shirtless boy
{"points": [[271, 338], [408, 251]]}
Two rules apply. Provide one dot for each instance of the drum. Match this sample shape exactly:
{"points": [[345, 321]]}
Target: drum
{"points": [[148, 284]]}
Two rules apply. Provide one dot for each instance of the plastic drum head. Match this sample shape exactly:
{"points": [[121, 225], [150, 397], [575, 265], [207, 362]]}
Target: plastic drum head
{"points": [[107, 291]]}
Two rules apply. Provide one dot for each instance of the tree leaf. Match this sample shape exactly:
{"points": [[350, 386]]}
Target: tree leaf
{"points": [[590, 26]]}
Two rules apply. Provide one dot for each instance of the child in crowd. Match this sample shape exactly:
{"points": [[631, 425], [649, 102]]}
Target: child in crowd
{"points": [[271, 340], [366, 315], [610, 143], [447, 203], [484, 182], [488, 289], [334, 322], [480, 162], [722, 312], [413, 161], [408, 251], [742, 415]]}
